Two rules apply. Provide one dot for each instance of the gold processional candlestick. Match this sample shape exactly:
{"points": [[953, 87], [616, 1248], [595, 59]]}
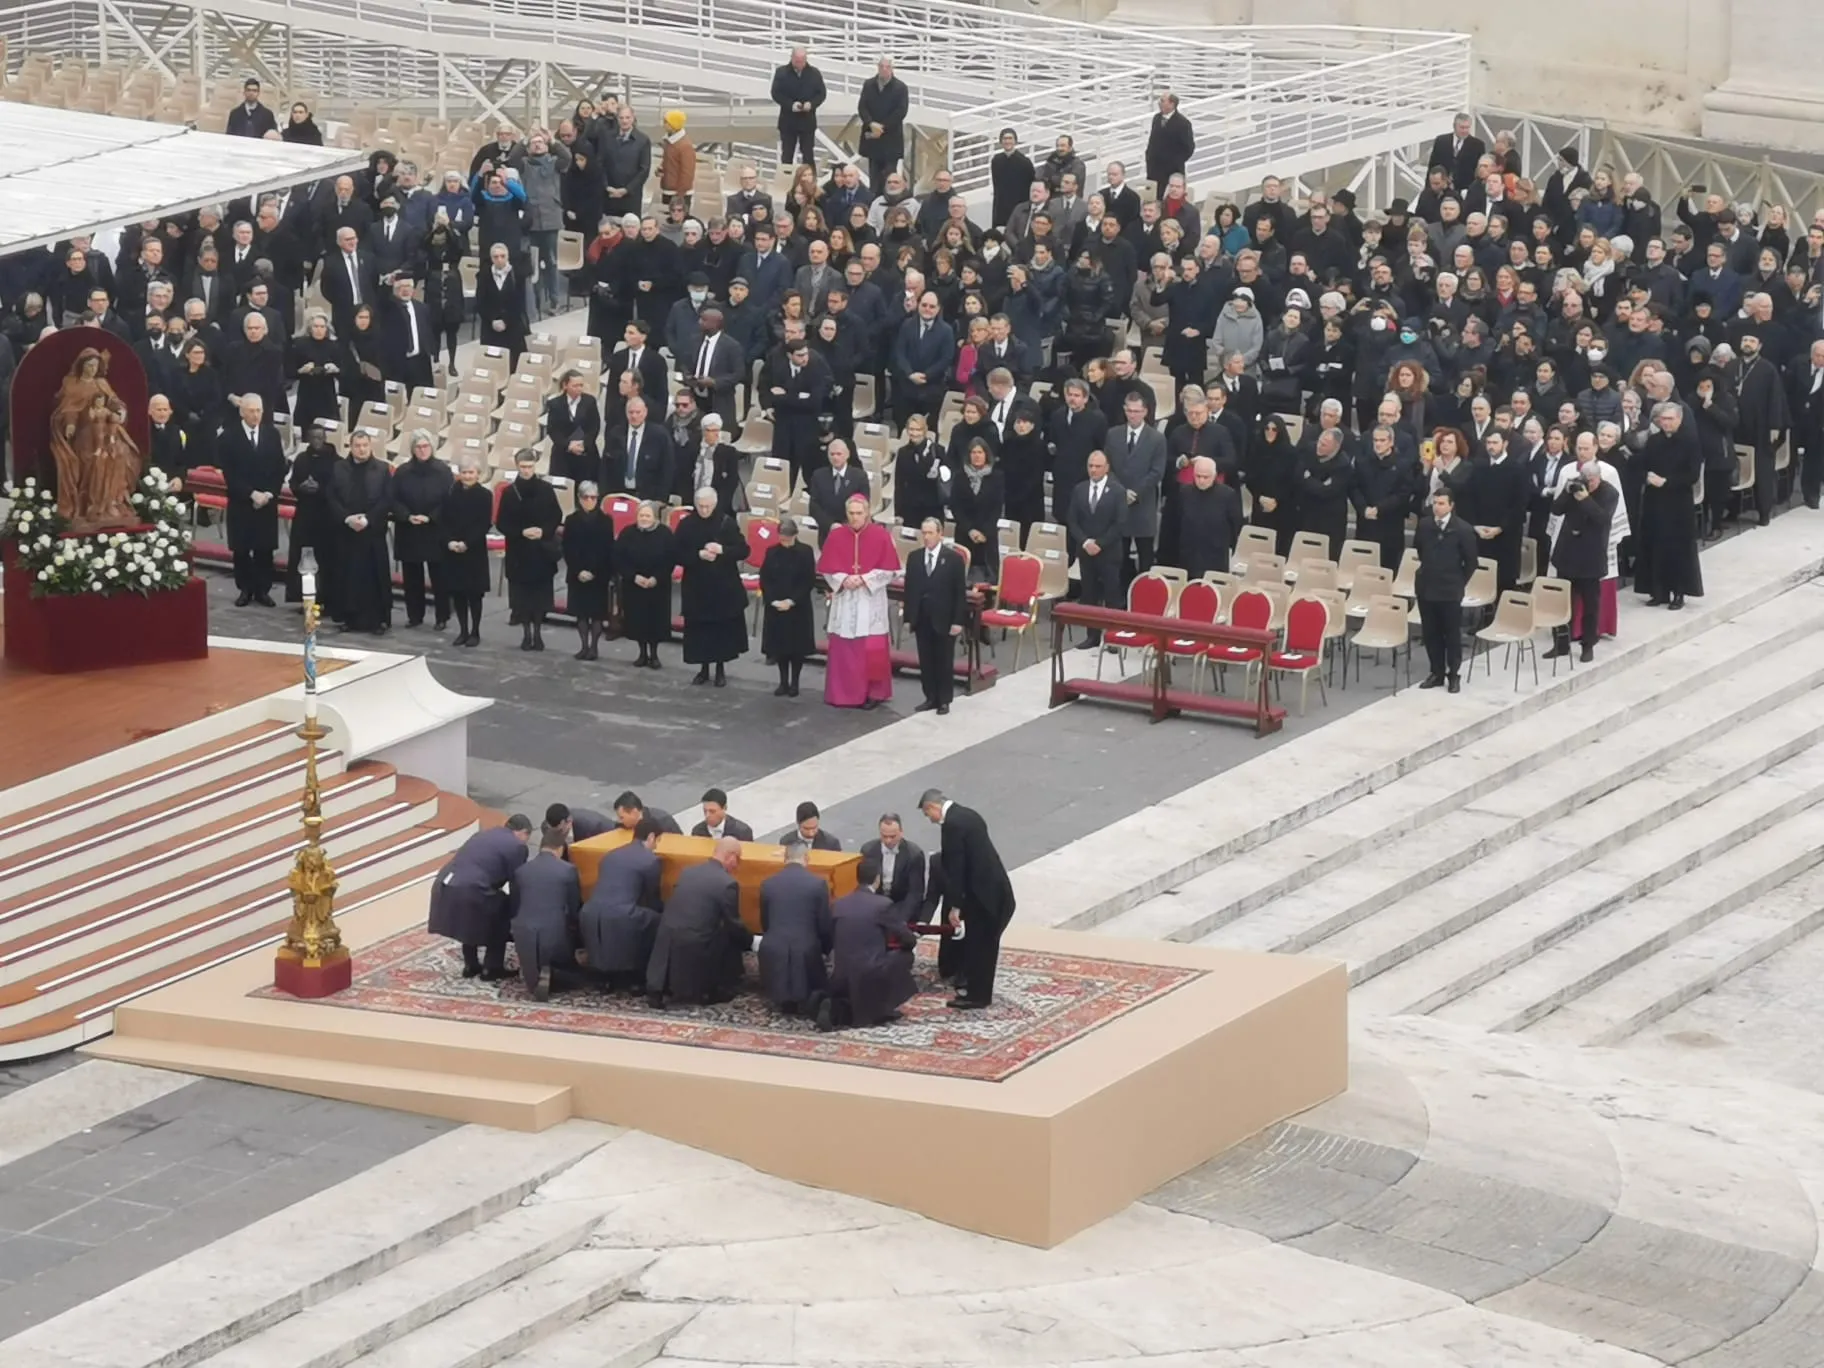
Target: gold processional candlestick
{"points": [[312, 962]]}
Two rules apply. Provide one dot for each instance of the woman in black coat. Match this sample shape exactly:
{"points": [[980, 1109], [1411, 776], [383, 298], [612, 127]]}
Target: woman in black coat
{"points": [[1191, 308], [199, 400], [788, 579], [584, 193], [644, 557], [1270, 473], [1665, 565], [528, 518], [312, 469], [468, 513], [421, 487], [977, 495], [362, 381], [918, 475], [1022, 468], [500, 309], [1012, 174], [443, 252], [588, 561], [361, 504], [316, 361], [710, 547]]}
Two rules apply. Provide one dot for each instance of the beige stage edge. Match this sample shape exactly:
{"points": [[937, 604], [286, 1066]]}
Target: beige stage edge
{"points": [[1064, 1143]]}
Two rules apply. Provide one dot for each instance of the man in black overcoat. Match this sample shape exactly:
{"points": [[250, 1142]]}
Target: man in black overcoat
{"points": [[252, 461], [1448, 549]]}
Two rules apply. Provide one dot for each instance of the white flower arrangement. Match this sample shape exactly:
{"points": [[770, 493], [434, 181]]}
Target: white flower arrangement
{"points": [[147, 561]]}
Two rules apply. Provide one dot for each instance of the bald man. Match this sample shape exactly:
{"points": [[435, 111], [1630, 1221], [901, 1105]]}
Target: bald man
{"points": [[697, 955]]}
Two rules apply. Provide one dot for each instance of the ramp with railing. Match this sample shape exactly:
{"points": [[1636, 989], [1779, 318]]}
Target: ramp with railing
{"points": [[1280, 98]]}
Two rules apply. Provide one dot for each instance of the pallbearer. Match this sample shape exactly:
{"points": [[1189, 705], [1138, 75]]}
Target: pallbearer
{"points": [[469, 898]]}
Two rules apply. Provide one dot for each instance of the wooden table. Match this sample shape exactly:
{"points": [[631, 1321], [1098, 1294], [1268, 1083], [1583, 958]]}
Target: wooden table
{"points": [[759, 862]]}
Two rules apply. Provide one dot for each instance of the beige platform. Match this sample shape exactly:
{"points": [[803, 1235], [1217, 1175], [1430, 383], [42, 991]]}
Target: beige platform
{"points": [[1063, 1143]]}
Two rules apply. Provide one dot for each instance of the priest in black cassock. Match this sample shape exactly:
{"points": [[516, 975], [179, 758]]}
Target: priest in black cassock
{"points": [[361, 506], [1760, 419]]}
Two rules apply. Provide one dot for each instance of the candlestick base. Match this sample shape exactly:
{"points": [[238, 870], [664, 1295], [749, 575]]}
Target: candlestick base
{"points": [[306, 978]]}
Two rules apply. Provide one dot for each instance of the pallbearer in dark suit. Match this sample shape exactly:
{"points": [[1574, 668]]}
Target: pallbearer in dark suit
{"points": [[978, 895], [545, 899], [717, 822], [902, 867], [696, 956], [253, 468], [871, 969], [795, 933], [619, 922], [936, 603], [469, 897], [1447, 548]]}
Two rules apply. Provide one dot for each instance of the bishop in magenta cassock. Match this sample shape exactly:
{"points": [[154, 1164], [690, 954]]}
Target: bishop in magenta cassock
{"points": [[858, 562]]}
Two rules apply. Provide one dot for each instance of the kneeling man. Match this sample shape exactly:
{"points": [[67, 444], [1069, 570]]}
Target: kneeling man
{"points": [[795, 932], [871, 969], [618, 923], [696, 957], [546, 897]]}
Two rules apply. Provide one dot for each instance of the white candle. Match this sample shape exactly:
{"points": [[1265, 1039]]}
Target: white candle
{"points": [[308, 583]]}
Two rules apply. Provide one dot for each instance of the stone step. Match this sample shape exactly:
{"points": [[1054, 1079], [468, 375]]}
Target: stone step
{"points": [[1401, 955], [1413, 864], [1473, 956], [208, 1300], [401, 1300], [1287, 852], [1601, 949], [1658, 987], [517, 1315], [627, 1334]]}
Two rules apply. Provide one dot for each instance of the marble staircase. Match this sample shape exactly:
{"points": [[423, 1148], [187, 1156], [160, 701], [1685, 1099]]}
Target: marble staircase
{"points": [[134, 881], [1580, 872]]}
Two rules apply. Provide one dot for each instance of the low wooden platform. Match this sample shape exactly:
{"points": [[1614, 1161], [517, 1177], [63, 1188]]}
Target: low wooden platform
{"points": [[51, 722], [1097, 1119]]}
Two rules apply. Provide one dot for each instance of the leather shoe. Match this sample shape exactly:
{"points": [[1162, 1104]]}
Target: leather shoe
{"points": [[943, 710], [926, 706], [242, 600], [1432, 682], [1453, 685], [783, 691], [264, 600], [870, 705], [1589, 654], [963, 1004], [541, 991]]}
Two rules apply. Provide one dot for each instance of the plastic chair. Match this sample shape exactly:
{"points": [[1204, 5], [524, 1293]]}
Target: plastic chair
{"points": [[1384, 629], [1317, 574], [1552, 609], [1356, 555], [1370, 581], [1405, 579], [1255, 541], [1016, 600], [1308, 546], [1480, 592], [1303, 654], [1150, 594], [1264, 569], [1744, 476], [1512, 628]]}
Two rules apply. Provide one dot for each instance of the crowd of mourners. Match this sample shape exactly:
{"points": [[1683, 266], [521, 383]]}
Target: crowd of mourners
{"points": [[1499, 341]]}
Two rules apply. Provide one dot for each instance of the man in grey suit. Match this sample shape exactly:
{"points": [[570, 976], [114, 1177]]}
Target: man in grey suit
{"points": [[717, 822], [1068, 209], [902, 866], [696, 956], [1094, 518], [816, 278], [1137, 455], [795, 933], [619, 922], [546, 898]]}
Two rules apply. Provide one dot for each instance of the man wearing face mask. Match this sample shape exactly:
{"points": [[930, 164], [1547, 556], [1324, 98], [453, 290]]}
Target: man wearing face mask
{"points": [[1376, 338], [683, 327]]}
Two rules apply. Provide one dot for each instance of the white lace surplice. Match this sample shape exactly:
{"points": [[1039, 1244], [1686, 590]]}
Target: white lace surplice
{"points": [[860, 612]]}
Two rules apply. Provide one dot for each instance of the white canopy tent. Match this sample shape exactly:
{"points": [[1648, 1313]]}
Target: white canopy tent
{"points": [[65, 174]]}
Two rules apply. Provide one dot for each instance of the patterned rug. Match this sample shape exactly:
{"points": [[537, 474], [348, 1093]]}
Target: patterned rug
{"points": [[1042, 1003]]}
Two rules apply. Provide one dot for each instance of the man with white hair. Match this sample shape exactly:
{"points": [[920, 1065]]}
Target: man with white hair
{"points": [[252, 462], [882, 111]]}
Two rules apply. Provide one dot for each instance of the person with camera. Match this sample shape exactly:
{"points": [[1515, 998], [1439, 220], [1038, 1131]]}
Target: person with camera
{"points": [[1585, 506]]}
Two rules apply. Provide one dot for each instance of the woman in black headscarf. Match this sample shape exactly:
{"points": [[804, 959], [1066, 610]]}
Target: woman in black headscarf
{"points": [[1271, 476], [588, 560]]}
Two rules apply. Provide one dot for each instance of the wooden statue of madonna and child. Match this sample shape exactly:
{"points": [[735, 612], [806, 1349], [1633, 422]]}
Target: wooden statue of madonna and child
{"points": [[98, 463]]}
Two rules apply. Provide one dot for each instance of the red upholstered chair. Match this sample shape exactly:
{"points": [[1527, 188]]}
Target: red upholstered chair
{"points": [[497, 544], [623, 511], [762, 536], [674, 516], [1016, 599], [1197, 602], [1149, 594], [1304, 649], [1250, 608]]}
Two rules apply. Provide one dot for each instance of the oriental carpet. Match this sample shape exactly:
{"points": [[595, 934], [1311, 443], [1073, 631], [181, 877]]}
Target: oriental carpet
{"points": [[1042, 1003]]}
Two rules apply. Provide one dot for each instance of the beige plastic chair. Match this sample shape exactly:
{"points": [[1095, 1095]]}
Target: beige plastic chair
{"points": [[1512, 628], [1356, 554], [1261, 569], [1480, 591], [1308, 546], [1336, 621], [1552, 608], [1255, 541], [1370, 582], [1744, 474], [1174, 577], [1384, 629], [569, 250], [1317, 574], [1529, 561]]}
